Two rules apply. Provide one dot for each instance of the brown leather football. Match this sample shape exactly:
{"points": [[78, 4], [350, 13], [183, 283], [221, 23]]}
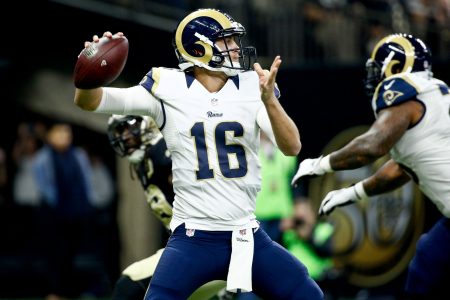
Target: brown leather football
{"points": [[101, 63]]}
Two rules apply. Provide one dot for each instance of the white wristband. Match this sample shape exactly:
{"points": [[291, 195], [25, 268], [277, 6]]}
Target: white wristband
{"points": [[324, 163], [360, 192]]}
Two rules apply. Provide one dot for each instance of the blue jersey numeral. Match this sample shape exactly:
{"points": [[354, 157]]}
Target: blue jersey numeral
{"points": [[224, 150]]}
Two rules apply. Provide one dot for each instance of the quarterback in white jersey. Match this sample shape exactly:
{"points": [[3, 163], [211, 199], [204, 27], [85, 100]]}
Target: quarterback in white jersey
{"points": [[210, 112], [213, 139], [413, 125]]}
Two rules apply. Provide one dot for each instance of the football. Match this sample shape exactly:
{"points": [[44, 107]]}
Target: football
{"points": [[101, 63]]}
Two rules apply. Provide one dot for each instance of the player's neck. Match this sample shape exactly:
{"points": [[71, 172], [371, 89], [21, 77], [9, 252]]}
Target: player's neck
{"points": [[212, 81]]}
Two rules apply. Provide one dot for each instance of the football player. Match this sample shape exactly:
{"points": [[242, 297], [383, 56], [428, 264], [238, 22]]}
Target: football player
{"points": [[210, 111], [413, 125], [138, 139]]}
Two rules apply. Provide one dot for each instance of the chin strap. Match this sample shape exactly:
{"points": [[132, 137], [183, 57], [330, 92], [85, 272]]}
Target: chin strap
{"points": [[227, 68]]}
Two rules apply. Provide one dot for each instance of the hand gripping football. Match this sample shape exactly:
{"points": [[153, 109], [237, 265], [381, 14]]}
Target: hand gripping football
{"points": [[101, 63]]}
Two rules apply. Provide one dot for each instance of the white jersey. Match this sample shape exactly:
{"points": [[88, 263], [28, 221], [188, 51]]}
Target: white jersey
{"points": [[213, 139], [424, 149]]}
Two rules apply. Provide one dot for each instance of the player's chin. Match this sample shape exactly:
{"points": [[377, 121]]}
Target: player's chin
{"points": [[236, 64]]}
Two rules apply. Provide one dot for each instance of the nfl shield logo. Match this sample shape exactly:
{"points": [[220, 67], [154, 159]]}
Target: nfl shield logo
{"points": [[190, 232], [243, 231]]}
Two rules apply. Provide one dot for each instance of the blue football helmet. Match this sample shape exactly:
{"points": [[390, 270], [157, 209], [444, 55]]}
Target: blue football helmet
{"points": [[195, 42], [127, 133], [394, 54]]}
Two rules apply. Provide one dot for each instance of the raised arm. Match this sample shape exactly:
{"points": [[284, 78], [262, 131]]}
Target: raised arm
{"points": [[90, 99], [286, 133]]}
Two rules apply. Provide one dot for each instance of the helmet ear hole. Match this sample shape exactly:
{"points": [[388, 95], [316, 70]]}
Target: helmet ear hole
{"points": [[396, 69], [198, 51]]}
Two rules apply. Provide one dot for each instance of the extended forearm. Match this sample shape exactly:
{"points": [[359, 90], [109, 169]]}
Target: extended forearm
{"points": [[388, 178], [286, 133], [88, 99], [361, 151]]}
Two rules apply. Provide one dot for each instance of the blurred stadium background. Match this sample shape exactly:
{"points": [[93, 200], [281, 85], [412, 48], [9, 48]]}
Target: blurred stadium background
{"points": [[323, 44]]}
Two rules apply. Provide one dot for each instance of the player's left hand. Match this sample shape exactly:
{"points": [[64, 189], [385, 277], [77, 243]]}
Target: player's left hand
{"points": [[308, 167], [337, 198], [267, 79]]}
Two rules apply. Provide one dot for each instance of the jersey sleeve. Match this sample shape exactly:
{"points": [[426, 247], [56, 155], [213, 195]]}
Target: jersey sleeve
{"points": [[394, 91], [130, 101]]}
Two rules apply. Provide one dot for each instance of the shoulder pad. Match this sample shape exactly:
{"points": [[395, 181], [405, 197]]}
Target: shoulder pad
{"points": [[393, 91], [151, 80]]}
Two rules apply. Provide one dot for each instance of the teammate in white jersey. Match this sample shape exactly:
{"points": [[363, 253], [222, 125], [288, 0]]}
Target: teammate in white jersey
{"points": [[210, 112], [413, 124]]}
